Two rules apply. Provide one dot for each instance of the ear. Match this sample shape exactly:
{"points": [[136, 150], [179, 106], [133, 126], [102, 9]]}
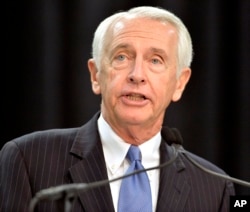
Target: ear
{"points": [[181, 83], [94, 76]]}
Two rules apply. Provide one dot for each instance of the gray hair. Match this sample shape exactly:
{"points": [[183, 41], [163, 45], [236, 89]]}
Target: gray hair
{"points": [[184, 48]]}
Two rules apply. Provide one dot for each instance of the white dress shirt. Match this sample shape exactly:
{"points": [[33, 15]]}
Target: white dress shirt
{"points": [[115, 150]]}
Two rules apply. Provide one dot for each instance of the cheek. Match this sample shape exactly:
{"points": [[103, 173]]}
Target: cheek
{"points": [[165, 87], [111, 82]]}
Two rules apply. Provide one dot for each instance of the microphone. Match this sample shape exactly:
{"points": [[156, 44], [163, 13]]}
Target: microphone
{"points": [[173, 136]]}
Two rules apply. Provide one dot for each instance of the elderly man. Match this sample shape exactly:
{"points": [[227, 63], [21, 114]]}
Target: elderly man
{"points": [[141, 63]]}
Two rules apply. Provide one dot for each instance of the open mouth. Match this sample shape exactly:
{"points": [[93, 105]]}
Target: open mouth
{"points": [[136, 97]]}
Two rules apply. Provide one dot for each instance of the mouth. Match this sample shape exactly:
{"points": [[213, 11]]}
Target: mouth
{"points": [[136, 97]]}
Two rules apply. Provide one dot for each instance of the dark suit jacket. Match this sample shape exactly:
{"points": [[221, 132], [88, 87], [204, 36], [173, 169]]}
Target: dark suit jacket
{"points": [[60, 156]]}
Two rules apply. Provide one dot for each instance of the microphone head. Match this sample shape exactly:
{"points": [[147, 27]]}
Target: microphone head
{"points": [[171, 135]]}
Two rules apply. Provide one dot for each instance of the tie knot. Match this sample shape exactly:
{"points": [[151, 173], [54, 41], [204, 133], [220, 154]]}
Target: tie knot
{"points": [[134, 153]]}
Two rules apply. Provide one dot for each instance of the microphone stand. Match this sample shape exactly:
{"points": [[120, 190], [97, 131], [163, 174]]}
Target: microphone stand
{"points": [[69, 192]]}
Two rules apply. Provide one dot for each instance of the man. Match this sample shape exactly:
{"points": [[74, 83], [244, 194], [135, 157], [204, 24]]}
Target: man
{"points": [[141, 63]]}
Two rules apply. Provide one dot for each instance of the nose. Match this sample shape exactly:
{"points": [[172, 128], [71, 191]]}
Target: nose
{"points": [[137, 74]]}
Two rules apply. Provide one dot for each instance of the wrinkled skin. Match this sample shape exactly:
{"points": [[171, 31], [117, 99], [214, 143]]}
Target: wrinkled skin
{"points": [[138, 77]]}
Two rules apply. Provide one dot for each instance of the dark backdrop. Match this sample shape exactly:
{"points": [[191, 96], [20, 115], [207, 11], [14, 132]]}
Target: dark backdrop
{"points": [[46, 81]]}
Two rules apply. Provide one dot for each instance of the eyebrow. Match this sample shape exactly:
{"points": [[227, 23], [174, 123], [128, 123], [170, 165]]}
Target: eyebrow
{"points": [[129, 47], [158, 51], [121, 46]]}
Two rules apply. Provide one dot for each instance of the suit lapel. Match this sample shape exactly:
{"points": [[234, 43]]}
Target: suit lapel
{"points": [[174, 188], [91, 168]]}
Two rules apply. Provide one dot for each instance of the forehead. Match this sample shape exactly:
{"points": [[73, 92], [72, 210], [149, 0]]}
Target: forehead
{"points": [[143, 29]]}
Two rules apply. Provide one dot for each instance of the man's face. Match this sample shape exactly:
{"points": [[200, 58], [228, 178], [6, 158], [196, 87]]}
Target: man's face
{"points": [[138, 79]]}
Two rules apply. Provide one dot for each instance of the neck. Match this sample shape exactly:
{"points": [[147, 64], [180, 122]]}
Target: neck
{"points": [[134, 134]]}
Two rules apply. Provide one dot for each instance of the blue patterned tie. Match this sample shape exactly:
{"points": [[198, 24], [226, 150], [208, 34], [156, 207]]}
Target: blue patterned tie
{"points": [[135, 192]]}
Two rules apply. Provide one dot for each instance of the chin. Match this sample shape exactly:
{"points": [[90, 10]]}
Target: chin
{"points": [[134, 118]]}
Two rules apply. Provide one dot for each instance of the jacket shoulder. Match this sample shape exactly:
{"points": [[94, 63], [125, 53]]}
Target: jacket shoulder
{"points": [[203, 162], [44, 136]]}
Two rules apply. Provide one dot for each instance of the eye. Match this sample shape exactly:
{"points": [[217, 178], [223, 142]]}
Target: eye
{"points": [[120, 61], [121, 57], [156, 61]]}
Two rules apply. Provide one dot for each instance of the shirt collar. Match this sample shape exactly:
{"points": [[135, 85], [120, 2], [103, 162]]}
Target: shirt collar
{"points": [[115, 148]]}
